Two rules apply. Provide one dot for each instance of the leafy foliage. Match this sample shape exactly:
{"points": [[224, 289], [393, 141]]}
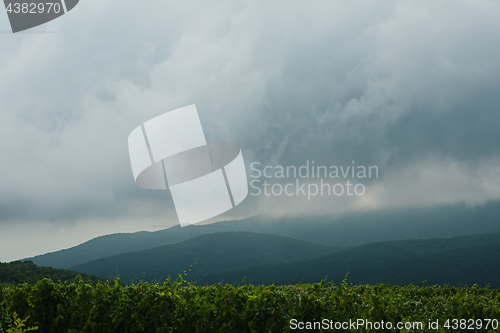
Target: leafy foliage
{"points": [[27, 272], [183, 307], [16, 325]]}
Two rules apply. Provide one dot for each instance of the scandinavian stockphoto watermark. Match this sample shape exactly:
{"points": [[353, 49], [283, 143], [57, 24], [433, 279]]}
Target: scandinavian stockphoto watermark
{"points": [[473, 325], [205, 179], [26, 14], [310, 180]]}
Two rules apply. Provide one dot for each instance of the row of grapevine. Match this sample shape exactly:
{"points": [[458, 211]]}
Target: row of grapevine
{"points": [[176, 306]]}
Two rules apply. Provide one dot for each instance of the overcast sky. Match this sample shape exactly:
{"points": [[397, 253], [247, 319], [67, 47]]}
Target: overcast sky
{"points": [[411, 87]]}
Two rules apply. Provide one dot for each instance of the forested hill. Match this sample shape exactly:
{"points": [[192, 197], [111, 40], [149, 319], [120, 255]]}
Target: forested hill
{"points": [[267, 259], [208, 254], [458, 261], [17, 272], [347, 231]]}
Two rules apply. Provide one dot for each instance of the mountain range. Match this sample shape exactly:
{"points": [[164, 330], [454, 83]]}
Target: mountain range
{"points": [[346, 231], [230, 257], [207, 254]]}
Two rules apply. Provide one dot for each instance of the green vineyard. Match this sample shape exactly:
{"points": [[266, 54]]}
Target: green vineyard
{"points": [[179, 306]]}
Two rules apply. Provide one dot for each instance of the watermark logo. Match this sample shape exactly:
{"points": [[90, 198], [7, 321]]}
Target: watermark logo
{"points": [[26, 14], [310, 180], [205, 179]]}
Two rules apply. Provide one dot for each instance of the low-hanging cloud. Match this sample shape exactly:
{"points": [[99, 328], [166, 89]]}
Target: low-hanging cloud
{"points": [[404, 86]]}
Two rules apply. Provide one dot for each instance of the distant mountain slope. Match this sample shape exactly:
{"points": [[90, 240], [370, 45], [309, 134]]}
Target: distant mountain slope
{"points": [[454, 261], [351, 230], [212, 253], [114, 244], [27, 272]]}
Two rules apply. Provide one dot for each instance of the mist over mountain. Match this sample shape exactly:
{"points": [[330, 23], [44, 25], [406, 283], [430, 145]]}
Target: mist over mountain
{"points": [[349, 230], [300, 144]]}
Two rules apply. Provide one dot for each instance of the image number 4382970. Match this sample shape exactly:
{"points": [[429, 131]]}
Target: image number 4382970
{"points": [[26, 14]]}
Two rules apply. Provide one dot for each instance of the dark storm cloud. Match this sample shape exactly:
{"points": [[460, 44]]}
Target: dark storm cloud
{"points": [[411, 87]]}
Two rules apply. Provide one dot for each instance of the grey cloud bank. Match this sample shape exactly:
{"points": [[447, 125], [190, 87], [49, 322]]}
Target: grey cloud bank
{"points": [[412, 87]]}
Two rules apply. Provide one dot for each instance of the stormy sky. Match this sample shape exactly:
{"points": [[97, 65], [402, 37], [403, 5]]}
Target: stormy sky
{"points": [[411, 87]]}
